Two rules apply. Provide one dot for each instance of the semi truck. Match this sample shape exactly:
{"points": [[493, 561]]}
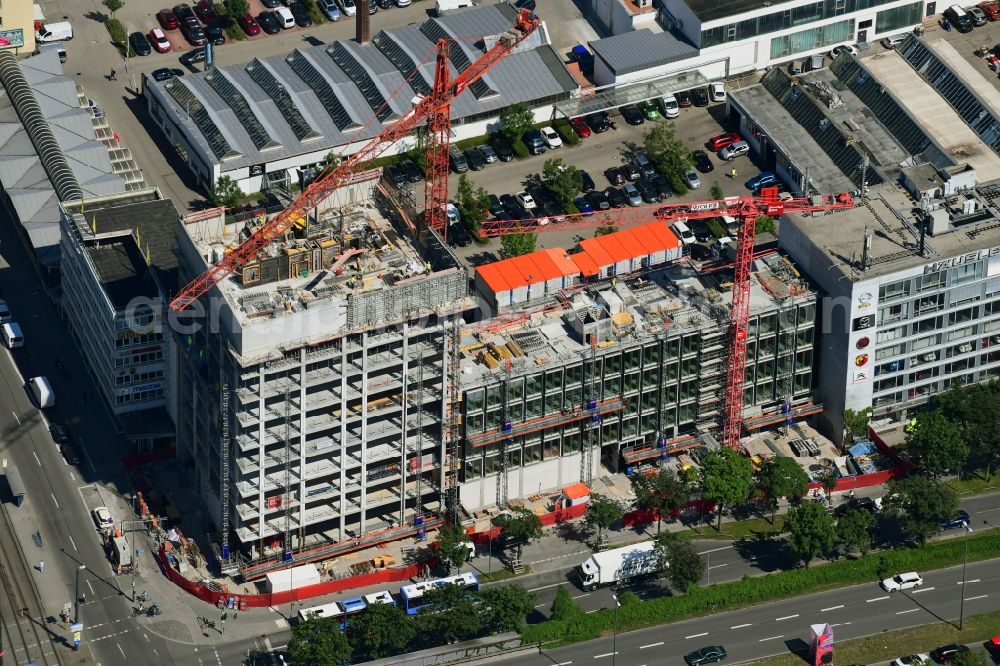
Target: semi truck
{"points": [[619, 565]]}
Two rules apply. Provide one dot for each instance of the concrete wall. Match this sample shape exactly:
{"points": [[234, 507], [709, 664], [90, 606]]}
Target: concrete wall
{"points": [[541, 477]]}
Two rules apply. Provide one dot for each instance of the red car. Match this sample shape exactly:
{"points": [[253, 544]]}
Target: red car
{"points": [[991, 9], [723, 140], [159, 41], [167, 19], [249, 25], [581, 127], [205, 11]]}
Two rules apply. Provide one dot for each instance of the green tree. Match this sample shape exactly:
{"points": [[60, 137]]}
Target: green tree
{"points": [[982, 425], [514, 245], [604, 231], [854, 530], [766, 225], [563, 180], [564, 607], [331, 159], [781, 476], [521, 526], [679, 560], [226, 193], [971, 658], [381, 630], [716, 191], [455, 618], [472, 204], [726, 478], [453, 546], [856, 424], [923, 502], [662, 492], [667, 152], [811, 530], [504, 608], [602, 512], [320, 642], [516, 119], [237, 8], [934, 445], [113, 5], [829, 481]]}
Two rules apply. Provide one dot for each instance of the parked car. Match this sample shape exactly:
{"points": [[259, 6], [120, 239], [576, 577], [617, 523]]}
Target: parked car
{"points": [[165, 74], [140, 45], [615, 197], [551, 137], [683, 99], [649, 110], [632, 194], [646, 191], [863, 503], [102, 518], [475, 159], [893, 41], [701, 161], [699, 97], [301, 14], [903, 581], [977, 15], [285, 17], [553, 210], [580, 126], [720, 141], [215, 33], [843, 48], [348, 8], [403, 3], [717, 92], [947, 653], [614, 176], [458, 161], [599, 200], [70, 454], [599, 122], [268, 22], [384, 4], [395, 175], [193, 56], [732, 152], [582, 55], [412, 171], [195, 35], [763, 179], [372, 7], [58, 433], [458, 235], [583, 205], [630, 171], [706, 655], [203, 10], [489, 155], [960, 520], [632, 114], [496, 206], [692, 180], [270, 4], [669, 106], [526, 200], [513, 207], [249, 24], [501, 144], [185, 14], [167, 19], [991, 9], [911, 660], [159, 40], [535, 143], [586, 181], [700, 229], [329, 9], [662, 186]]}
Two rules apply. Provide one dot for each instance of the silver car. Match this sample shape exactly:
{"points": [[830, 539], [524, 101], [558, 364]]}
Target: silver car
{"points": [[632, 194], [691, 180], [329, 7]]}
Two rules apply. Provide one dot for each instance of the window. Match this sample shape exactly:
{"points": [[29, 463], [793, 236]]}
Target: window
{"points": [[961, 333], [813, 38], [962, 316], [928, 325], [963, 273], [892, 313], [899, 17], [928, 341], [887, 334], [928, 304], [930, 281], [474, 401], [887, 292], [553, 381]]}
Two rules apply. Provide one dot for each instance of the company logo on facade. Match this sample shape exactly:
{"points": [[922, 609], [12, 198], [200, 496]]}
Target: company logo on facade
{"points": [[863, 342], [860, 359], [863, 322], [865, 300], [972, 257], [860, 376]]}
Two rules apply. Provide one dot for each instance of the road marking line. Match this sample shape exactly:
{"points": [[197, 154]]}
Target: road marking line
{"points": [[715, 550], [643, 647], [719, 565], [981, 596], [538, 606], [740, 626], [823, 610], [73, 542], [545, 587], [787, 617], [593, 611], [704, 633], [72, 476], [53, 496], [121, 650], [840, 624], [564, 663], [974, 580], [581, 596], [771, 638], [606, 654], [267, 644], [868, 601], [926, 589], [912, 610], [36, 458], [146, 636], [92, 593], [15, 417]]}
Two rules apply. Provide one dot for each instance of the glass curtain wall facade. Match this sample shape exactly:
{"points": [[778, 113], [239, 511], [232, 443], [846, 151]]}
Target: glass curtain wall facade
{"points": [[813, 38], [899, 17]]}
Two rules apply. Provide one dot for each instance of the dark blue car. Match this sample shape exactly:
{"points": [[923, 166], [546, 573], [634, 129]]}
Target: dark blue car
{"points": [[961, 519], [584, 206], [762, 179]]}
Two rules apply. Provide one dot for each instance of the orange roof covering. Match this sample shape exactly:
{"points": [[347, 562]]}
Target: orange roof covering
{"points": [[624, 245], [527, 269], [585, 263], [576, 491]]}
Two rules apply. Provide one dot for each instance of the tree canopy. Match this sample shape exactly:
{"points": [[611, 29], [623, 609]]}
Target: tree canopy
{"points": [[453, 546], [226, 193], [505, 608], [381, 630], [520, 526], [679, 560], [564, 607], [854, 530], [856, 424], [934, 445], [662, 492], [666, 151], [923, 502], [726, 478], [563, 180], [319, 641], [113, 5], [514, 245], [516, 119], [472, 204], [811, 531], [602, 513], [455, 617], [781, 476]]}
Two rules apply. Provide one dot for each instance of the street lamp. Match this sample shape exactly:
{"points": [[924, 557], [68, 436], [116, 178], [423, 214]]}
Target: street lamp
{"points": [[965, 562], [614, 637], [76, 601]]}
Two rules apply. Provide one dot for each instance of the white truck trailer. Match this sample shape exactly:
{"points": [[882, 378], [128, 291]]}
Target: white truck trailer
{"points": [[618, 565]]}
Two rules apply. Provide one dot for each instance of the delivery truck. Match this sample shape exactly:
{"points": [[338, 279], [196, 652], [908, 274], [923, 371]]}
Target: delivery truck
{"points": [[41, 391], [619, 565]]}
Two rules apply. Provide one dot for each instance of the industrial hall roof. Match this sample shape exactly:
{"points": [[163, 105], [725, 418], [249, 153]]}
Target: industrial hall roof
{"points": [[641, 49], [320, 98]]}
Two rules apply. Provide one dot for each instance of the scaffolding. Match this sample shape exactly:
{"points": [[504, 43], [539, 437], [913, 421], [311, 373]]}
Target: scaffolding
{"points": [[225, 563], [506, 427], [454, 377], [418, 460], [786, 358], [286, 500], [591, 424]]}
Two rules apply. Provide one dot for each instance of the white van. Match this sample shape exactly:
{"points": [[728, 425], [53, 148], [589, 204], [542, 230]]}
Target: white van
{"points": [[42, 391], [54, 32], [683, 233], [669, 106], [12, 335], [285, 17], [445, 6]]}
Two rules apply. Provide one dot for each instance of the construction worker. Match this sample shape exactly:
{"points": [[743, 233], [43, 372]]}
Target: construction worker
{"points": [[733, 174]]}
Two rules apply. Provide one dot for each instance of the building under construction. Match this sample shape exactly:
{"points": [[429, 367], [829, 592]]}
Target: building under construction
{"points": [[352, 404]]}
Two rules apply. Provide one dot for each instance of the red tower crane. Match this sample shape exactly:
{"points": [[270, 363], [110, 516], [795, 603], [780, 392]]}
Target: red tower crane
{"points": [[435, 109], [745, 209]]}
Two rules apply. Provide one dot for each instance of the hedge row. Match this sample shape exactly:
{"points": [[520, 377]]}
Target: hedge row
{"points": [[749, 591], [232, 29], [117, 32]]}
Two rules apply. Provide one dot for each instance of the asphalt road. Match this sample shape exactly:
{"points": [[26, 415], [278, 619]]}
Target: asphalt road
{"points": [[780, 627]]}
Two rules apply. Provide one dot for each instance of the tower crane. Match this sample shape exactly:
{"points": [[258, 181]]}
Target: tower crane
{"points": [[747, 210], [434, 109]]}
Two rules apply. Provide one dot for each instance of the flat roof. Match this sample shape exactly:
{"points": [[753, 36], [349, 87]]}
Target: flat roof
{"points": [[934, 114], [895, 236], [121, 269], [963, 69], [641, 49]]}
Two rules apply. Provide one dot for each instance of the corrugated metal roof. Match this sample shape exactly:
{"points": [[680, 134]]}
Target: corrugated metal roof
{"points": [[527, 269], [624, 245], [640, 49]]}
